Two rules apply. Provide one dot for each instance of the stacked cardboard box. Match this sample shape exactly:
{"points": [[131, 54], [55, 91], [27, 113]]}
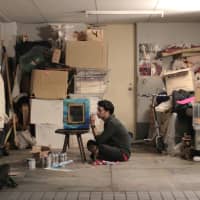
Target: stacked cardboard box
{"points": [[179, 79], [49, 87], [49, 84], [87, 54]]}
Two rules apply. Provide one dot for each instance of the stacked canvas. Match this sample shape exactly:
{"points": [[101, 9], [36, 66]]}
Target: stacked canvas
{"points": [[47, 117]]}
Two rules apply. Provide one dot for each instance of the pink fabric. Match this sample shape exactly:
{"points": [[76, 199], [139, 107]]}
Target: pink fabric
{"points": [[104, 162], [125, 157], [185, 101]]}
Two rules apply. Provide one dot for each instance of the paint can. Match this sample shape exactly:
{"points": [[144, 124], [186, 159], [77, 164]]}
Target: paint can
{"points": [[49, 161], [196, 158], [56, 158], [53, 159], [31, 163]]}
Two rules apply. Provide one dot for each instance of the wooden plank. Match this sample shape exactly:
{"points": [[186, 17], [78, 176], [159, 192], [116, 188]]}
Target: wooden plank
{"points": [[72, 196], [198, 194], [167, 196], [179, 195], [14, 196], [48, 196], [37, 195], [5, 195], [25, 195], [190, 195], [131, 196], [84, 196], [143, 196], [60, 196], [95, 196], [120, 196], [155, 195], [108, 196]]}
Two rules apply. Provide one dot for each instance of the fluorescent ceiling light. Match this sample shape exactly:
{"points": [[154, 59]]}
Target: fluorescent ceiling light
{"points": [[179, 5], [125, 12]]}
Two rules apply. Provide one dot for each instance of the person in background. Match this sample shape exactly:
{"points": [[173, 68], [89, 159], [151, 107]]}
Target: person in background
{"points": [[114, 143]]}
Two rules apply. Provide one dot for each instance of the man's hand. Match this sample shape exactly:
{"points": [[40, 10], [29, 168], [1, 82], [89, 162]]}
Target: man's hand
{"points": [[92, 119]]}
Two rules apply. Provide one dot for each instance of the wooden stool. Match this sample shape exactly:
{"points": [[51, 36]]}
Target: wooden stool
{"points": [[78, 134]]}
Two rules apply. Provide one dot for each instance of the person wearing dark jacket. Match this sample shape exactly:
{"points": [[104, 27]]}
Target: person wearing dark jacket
{"points": [[114, 143]]}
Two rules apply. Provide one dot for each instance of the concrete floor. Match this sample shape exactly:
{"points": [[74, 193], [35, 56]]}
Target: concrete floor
{"points": [[146, 171]]}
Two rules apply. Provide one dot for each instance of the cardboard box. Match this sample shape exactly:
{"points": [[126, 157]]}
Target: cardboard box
{"points": [[47, 112], [49, 84], [179, 79], [86, 54], [39, 152], [197, 86], [197, 93], [40, 149], [95, 34]]}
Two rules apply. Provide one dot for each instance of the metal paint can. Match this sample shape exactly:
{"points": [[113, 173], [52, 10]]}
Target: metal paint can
{"points": [[31, 163], [65, 156], [56, 158], [49, 161]]}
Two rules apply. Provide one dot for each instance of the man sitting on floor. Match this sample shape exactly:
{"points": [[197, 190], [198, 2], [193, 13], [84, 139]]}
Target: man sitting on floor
{"points": [[114, 144]]}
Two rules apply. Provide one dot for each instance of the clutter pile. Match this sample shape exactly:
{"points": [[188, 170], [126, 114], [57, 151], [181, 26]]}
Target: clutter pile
{"points": [[178, 119]]}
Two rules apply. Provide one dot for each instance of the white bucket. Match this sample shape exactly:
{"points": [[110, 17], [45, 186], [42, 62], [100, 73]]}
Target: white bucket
{"points": [[196, 158], [31, 163]]}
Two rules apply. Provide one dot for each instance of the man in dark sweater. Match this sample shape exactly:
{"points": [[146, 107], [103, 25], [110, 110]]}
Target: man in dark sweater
{"points": [[114, 144]]}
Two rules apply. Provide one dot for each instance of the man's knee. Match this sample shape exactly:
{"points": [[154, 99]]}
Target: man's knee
{"points": [[91, 144]]}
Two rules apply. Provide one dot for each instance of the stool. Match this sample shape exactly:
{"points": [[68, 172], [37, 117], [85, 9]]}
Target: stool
{"points": [[78, 134]]}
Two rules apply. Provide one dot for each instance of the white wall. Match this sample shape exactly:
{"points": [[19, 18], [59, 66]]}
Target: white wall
{"points": [[8, 33], [168, 33]]}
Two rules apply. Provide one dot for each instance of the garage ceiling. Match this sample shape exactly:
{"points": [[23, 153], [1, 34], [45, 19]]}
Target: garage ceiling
{"points": [[44, 11]]}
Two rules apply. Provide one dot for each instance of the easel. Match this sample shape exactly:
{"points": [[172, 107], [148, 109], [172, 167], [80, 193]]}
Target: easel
{"points": [[11, 107], [78, 134]]}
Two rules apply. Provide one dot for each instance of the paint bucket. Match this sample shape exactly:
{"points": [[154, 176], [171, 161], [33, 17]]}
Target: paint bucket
{"points": [[196, 158], [31, 163]]}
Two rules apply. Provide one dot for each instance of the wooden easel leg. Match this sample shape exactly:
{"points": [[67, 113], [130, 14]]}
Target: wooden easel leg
{"points": [[66, 143], [81, 147], [83, 150]]}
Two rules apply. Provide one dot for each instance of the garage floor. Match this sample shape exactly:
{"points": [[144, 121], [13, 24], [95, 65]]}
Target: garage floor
{"points": [[147, 175]]}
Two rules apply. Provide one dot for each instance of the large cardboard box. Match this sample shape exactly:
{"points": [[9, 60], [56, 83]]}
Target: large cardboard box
{"points": [[86, 54], [95, 34], [197, 86], [197, 93], [49, 84], [179, 79], [47, 112]]}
